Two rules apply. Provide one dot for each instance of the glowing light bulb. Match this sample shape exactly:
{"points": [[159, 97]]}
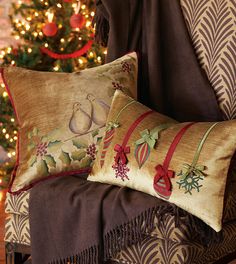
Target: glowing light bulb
{"points": [[4, 94], [62, 40], [29, 18], [13, 153], [35, 34], [9, 50], [27, 27], [88, 23], [36, 14], [81, 61], [15, 132], [74, 5], [40, 33], [83, 7], [11, 140], [12, 120], [17, 37], [2, 85], [46, 3], [3, 52], [59, 5], [105, 52], [22, 32], [4, 131], [46, 45], [91, 54], [9, 155], [56, 68], [19, 2], [15, 138], [80, 38], [99, 59], [13, 62], [16, 21], [7, 136], [92, 14], [60, 26]]}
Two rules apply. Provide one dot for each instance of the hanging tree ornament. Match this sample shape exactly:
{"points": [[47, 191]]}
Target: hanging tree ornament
{"points": [[77, 20], [50, 28]]}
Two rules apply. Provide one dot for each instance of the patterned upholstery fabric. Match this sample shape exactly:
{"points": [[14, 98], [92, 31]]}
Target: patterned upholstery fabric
{"points": [[211, 25], [153, 250]]}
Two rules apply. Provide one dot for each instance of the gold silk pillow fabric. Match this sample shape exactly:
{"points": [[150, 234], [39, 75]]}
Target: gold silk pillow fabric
{"points": [[183, 163], [62, 117]]}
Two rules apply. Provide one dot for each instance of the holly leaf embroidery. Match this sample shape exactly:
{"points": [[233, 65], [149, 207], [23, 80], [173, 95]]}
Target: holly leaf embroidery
{"points": [[42, 168], [50, 161], [79, 143], [86, 162], [65, 158], [32, 161], [78, 155]]}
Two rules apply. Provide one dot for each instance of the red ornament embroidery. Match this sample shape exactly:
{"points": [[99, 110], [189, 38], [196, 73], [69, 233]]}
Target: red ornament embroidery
{"points": [[121, 159]]}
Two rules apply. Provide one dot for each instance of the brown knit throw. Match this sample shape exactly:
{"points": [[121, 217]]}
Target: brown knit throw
{"points": [[73, 220]]}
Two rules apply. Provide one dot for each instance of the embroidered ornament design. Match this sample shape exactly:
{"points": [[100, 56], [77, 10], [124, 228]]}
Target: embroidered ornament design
{"points": [[192, 174], [146, 143], [121, 160], [110, 131], [162, 183]]}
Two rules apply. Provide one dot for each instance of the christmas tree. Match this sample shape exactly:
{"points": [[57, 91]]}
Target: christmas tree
{"points": [[52, 35]]}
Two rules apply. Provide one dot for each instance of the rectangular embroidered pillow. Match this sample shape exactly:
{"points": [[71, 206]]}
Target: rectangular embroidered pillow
{"points": [[184, 163], [61, 117]]}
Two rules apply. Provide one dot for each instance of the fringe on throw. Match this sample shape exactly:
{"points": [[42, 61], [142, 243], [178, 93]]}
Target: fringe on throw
{"points": [[101, 25], [134, 231]]}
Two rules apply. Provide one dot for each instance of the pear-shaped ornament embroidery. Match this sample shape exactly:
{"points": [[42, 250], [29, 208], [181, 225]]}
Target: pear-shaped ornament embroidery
{"points": [[80, 121], [100, 110]]}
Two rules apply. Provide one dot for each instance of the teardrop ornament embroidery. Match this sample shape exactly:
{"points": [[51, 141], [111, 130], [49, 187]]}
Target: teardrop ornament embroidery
{"points": [[110, 132]]}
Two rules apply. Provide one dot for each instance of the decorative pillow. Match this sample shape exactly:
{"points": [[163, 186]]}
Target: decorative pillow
{"points": [[62, 117], [184, 163]]}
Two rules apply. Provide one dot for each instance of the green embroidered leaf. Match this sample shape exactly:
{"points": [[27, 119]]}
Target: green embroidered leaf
{"points": [[50, 161], [32, 161], [54, 145], [79, 143], [99, 139], [95, 133], [86, 162], [78, 155], [42, 168], [65, 158], [31, 146]]}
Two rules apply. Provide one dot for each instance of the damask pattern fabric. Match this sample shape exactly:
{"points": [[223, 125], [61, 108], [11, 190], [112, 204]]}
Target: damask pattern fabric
{"points": [[61, 117], [184, 163], [211, 25]]}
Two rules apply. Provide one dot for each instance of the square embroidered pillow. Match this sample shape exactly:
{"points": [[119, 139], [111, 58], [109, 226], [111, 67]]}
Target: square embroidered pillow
{"points": [[183, 163], [62, 117]]}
